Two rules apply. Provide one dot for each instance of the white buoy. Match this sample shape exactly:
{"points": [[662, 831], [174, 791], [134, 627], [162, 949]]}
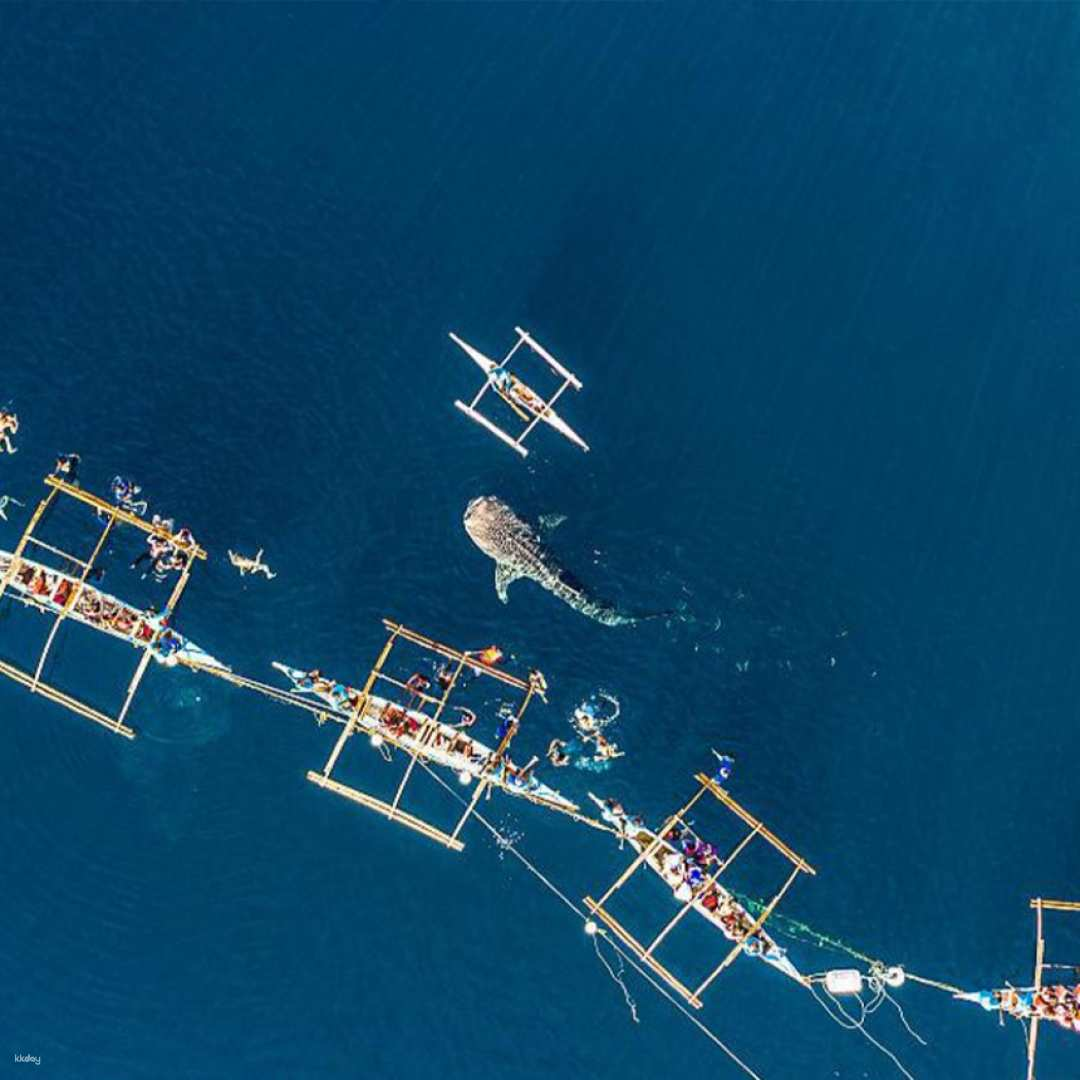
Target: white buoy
{"points": [[894, 977], [464, 778], [591, 928], [843, 981], [376, 739]]}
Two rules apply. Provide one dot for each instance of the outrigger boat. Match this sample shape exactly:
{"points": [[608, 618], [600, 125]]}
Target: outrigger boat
{"points": [[51, 591], [1060, 1004], [65, 596], [1055, 1003], [688, 876], [526, 403], [445, 745], [693, 875]]}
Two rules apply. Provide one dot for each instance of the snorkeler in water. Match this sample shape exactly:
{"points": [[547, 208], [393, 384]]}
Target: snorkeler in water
{"points": [[5, 500]]}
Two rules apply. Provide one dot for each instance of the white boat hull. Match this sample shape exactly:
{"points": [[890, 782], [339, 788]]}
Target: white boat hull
{"points": [[146, 629], [474, 764], [549, 417], [639, 838]]}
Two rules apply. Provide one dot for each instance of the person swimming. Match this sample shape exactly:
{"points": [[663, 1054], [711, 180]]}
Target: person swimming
{"points": [[5, 501], [67, 465], [124, 492], [468, 718], [557, 753], [253, 565], [9, 425]]}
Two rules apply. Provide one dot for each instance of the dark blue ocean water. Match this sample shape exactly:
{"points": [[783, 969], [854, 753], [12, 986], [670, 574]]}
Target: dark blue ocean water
{"points": [[817, 266]]}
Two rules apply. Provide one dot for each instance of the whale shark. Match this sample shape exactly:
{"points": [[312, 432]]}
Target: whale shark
{"points": [[519, 552]]}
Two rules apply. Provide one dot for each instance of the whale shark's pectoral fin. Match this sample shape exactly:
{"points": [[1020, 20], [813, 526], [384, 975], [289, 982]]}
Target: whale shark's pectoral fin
{"points": [[550, 522], [505, 576]]}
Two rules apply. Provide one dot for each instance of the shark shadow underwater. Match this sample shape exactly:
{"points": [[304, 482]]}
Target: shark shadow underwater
{"points": [[519, 552]]}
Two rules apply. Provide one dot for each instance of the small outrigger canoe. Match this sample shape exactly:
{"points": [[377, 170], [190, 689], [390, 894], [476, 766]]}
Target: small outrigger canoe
{"points": [[525, 401], [57, 593], [688, 880], [451, 747]]}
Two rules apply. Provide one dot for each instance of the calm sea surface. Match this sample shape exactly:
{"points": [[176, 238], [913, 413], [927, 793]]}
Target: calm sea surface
{"points": [[817, 267]]}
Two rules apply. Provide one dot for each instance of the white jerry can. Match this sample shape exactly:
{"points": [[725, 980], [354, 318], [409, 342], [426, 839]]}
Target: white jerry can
{"points": [[843, 981]]}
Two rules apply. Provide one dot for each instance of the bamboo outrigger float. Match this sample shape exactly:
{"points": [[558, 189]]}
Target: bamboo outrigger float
{"points": [[426, 738], [67, 596], [698, 890], [526, 403]]}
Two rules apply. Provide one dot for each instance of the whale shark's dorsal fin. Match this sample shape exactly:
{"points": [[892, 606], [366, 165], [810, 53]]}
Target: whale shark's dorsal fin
{"points": [[550, 522], [505, 576]]}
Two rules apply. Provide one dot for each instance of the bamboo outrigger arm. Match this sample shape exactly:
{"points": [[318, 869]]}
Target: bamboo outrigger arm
{"points": [[1039, 905], [25, 539], [766, 834], [72, 600], [658, 840], [421, 743], [112, 515], [121, 515]]}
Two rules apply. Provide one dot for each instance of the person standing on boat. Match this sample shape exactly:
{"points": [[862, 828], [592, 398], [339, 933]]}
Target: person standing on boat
{"points": [[724, 764]]}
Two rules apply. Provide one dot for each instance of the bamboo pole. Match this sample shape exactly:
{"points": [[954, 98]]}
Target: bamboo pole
{"points": [[56, 550], [361, 705], [758, 924], [1033, 1026], [548, 406], [484, 779], [427, 699], [24, 540], [634, 946], [399, 816], [133, 686], [431, 729], [59, 697], [120, 514], [1056, 905], [647, 851], [72, 600], [538, 348], [677, 918], [454, 654], [767, 834]]}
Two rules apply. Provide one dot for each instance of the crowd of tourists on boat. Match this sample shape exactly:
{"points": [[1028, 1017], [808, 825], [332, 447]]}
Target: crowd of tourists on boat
{"points": [[448, 738], [1059, 1004], [96, 609], [687, 864]]}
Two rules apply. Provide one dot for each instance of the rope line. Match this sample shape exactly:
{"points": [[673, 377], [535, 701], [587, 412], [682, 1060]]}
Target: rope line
{"points": [[617, 977], [854, 1024], [627, 958]]}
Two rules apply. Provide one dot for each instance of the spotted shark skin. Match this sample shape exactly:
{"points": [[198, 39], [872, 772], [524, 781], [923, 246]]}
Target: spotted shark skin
{"points": [[519, 552]]}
